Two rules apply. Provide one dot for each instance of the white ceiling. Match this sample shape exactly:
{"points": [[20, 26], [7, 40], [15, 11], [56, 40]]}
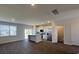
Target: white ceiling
{"points": [[28, 14]]}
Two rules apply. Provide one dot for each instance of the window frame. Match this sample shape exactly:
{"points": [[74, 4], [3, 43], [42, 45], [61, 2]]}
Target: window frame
{"points": [[8, 30]]}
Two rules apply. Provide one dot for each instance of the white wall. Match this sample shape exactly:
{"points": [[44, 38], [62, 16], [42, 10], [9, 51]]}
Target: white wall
{"points": [[75, 33], [71, 31], [54, 35], [71, 36], [67, 34], [70, 21]]}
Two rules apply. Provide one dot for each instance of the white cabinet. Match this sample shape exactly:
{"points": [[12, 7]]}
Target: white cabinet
{"points": [[35, 38]]}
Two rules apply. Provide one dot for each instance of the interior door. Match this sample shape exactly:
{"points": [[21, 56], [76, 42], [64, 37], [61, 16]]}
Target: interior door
{"points": [[60, 30]]}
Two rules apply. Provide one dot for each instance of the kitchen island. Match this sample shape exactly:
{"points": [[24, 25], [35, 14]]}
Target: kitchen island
{"points": [[35, 38]]}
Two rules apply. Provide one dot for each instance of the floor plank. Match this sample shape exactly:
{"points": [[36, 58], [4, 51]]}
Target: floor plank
{"points": [[45, 47]]}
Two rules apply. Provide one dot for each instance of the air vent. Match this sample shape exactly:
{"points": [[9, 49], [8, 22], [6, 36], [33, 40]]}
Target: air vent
{"points": [[55, 12]]}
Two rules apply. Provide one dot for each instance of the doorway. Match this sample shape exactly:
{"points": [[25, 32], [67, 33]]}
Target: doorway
{"points": [[60, 32], [27, 32]]}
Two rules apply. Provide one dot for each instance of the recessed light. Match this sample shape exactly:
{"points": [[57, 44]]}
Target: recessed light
{"points": [[48, 21], [12, 19], [33, 4]]}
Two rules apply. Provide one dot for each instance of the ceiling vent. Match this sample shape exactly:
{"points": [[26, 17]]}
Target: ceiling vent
{"points": [[55, 12]]}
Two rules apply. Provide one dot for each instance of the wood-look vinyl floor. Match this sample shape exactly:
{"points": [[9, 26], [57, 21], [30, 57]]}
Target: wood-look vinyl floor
{"points": [[45, 47]]}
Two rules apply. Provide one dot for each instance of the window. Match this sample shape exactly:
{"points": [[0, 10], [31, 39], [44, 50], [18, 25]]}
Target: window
{"points": [[7, 30], [12, 30], [4, 30]]}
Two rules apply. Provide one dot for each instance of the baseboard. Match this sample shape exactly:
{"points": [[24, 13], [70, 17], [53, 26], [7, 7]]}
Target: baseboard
{"points": [[10, 42]]}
